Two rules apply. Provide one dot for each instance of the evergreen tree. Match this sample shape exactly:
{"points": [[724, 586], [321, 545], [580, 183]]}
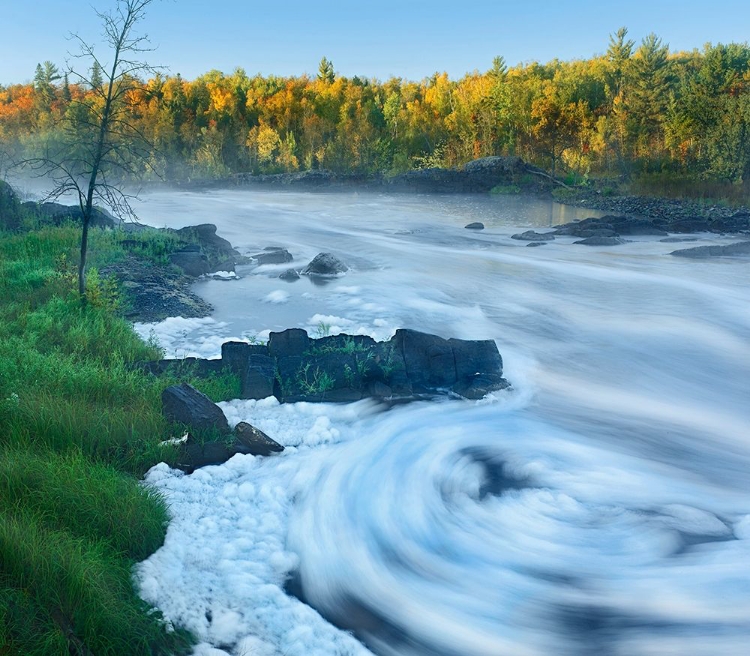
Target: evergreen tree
{"points": [[96, 80], [325, 71]]}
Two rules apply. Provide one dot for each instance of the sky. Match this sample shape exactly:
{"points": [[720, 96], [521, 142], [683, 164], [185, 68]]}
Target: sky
{"points": [[411, 39]]}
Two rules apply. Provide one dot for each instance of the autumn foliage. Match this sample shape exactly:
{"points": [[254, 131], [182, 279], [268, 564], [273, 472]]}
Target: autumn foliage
{"points": [[634, 109]]}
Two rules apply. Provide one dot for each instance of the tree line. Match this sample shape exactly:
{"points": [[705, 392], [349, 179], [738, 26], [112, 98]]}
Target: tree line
{"points": [[636, 108]]}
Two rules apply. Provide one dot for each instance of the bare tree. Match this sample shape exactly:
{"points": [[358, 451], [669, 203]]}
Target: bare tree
{"points": [[99, 148]]}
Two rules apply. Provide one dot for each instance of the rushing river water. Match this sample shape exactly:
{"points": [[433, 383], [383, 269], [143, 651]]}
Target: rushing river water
{"points": [[602, 506]]}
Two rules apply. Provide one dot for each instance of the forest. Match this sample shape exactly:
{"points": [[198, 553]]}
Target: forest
{"points": [[636, 110]]}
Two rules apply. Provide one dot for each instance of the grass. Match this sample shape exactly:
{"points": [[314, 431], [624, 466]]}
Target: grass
{"points": [[79, 425]]}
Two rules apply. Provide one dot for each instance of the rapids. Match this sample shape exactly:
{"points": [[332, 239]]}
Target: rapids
{"points": [[600, 507]]}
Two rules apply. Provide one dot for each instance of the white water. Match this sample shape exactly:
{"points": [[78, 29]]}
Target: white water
{"points": [[601, 507]]}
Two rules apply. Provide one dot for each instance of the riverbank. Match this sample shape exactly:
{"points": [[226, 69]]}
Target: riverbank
{"points": [[81, 426]]}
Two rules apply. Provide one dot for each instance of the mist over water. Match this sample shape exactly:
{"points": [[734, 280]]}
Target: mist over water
{"points": [[600, 507]]}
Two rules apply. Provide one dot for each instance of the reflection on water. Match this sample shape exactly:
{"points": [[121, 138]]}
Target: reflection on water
{"points": [[601, 507]]}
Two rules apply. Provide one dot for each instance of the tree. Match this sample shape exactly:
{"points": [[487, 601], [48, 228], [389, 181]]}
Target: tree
{"points": [[99, 145], [325, 71]]}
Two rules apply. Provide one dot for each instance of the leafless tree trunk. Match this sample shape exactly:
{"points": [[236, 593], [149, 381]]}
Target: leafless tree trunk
{"points": [[101, 148]]}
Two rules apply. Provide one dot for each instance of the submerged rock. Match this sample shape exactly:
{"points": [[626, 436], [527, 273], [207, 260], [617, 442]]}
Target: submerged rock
{"points": [[601, 241], [531, 235], [290, 275], [702, 252], [476, 225]]}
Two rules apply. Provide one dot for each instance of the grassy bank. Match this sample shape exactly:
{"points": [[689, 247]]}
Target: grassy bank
{"points": [[78, 428]]}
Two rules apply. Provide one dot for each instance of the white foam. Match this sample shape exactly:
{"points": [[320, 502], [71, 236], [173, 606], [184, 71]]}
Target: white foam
{"points": [[277, 296]]}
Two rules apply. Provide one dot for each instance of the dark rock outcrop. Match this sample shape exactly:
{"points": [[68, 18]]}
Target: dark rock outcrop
{"points": [[290, 275], [325, 264], [739, 248], [476, 225], [214, 253], [341, 368], [191, 261], [185, 405]]}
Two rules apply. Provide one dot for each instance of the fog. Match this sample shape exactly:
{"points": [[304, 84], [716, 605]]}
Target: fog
{"points": [[601, 506]]}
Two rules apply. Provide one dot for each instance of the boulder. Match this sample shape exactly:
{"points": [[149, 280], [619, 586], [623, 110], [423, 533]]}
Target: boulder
{"points": [[273, 255], [186, 405], [325, 264], [701, 252], [476, 225], [530, 235], [254, 441], [290, 275]]}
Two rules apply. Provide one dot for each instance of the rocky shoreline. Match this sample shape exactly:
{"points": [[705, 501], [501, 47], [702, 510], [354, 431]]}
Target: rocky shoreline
{"points": [[683, 214]]}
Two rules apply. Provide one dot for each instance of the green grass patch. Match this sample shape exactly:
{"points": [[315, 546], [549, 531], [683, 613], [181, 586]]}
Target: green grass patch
{"points": [[80, 426]]}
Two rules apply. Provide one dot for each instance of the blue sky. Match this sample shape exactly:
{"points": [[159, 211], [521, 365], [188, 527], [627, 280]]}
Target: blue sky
{"points": [[407, 38]]}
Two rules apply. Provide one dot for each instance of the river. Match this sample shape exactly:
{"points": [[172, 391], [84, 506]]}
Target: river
{"points": [[601, 506]]}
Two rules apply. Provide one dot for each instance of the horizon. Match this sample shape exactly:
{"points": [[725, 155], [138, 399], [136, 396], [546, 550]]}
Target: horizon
{"points": [[401, 40]]}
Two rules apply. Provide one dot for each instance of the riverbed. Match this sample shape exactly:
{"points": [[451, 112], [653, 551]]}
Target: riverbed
{"points": [[600, 506]]}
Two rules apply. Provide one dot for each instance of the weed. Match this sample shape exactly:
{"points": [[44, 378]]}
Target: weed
{"points": [[323, 329], [315, 382]]}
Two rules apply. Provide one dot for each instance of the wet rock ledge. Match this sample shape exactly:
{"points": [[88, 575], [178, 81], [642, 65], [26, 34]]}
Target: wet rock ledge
{"points": [[341, 368]]}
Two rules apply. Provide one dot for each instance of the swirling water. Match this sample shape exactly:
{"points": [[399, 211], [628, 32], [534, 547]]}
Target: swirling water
{"points": [[600, 507]]}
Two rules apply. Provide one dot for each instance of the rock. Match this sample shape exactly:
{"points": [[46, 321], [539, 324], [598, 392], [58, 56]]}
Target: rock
{"points": [[194, 455], [479, 385], [220, 254], [428, 359], [273, 256], [153, 293], [638, 227], [290, 275], [254, 441], [674, 240], [476, 225], [186, 405], [530, 235], [596, 232], [325, 264], [688, 226], [474, 357], [182, 368], [191, 261], [234, 355], [601, 241], [258, 377], [293, 341], [537, 243], [701, 252]]}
